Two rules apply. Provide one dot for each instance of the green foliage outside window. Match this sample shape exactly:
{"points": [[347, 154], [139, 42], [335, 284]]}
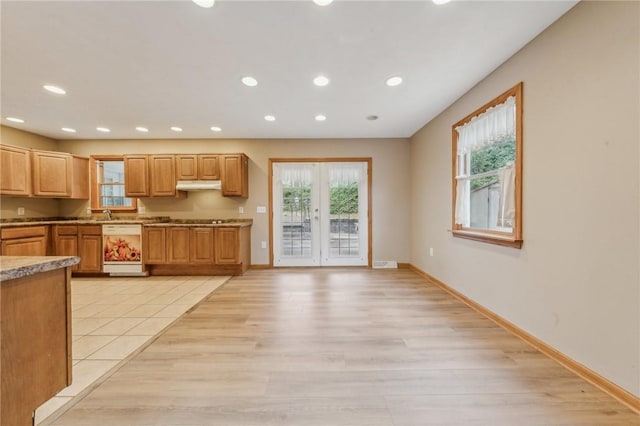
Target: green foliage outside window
{"points": [[344, 199], [492, 157]]}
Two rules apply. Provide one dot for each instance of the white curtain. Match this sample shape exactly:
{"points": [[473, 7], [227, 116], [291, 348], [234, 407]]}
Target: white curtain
{"points": [[295, 175], [342, 174], [495, 123], [507, 203]]}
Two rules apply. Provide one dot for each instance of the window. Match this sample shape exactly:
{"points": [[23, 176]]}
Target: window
{"points": [[108, 185], [487, 172]]}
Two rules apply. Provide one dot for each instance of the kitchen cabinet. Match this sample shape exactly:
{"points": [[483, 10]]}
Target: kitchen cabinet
{"points": [[25, 241], [154, 242], [35, 320], [80, 177], [234, 174], [162, 175], [52, 174], [197, 167], [136, 172], [201, 241], [90, 248], [233, 247], [15, 178], [65, 241], [178, 244]]}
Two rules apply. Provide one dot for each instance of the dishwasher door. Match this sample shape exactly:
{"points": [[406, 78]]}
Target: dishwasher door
{"points": [[122, 249]]}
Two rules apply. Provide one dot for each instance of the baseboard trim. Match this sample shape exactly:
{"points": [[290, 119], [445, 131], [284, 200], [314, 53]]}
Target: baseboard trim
{"points": [[607, 386], [260, 266], [404, 265]]}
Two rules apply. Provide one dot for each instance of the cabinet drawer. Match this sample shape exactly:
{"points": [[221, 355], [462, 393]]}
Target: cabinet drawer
{"points": [[66, 230], [23, 232], [90, 230]]}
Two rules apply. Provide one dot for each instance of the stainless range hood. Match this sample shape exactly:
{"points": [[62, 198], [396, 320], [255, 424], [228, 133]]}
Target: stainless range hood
{"points": [[198, 185]]}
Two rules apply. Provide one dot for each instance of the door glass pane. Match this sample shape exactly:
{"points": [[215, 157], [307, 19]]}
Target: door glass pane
{"points": [[296, 212], [344, 183]]}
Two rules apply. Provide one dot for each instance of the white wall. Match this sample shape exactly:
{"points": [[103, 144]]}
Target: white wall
{"points": [[576, 282], [390, 187]]}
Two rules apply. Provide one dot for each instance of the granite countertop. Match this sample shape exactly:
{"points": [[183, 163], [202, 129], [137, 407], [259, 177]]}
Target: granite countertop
{"points": [[147, 221], [12, 267], [228, 223]]}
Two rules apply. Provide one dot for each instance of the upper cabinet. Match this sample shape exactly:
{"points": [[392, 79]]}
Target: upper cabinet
{"points": [[197, 167], [52, 174], [234, 174], [150, 175], [136, 170], [80, 177], [16, 170], [162, 175]]}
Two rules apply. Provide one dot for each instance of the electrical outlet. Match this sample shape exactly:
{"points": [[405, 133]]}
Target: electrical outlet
{"points": [[88, 211], [431, 251], [261, 209], [263, 244], [142, 209], [20, 211], [241, 210]]}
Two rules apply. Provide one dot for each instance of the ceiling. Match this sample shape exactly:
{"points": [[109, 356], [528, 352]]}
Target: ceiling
{"points": [[159, 64]]}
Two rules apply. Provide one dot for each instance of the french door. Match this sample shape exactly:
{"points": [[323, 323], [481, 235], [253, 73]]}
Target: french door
{"points": [[320, 213]]}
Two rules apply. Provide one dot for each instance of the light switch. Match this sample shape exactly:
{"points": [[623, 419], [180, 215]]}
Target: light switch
{"points": [[241, 210], [20, 211], [261, 209]]}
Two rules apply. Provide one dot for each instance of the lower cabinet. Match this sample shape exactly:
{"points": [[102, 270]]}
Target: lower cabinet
{"points": [[84, 241], [196, 250], [177, 245], [201, 241], [154, 245], [90, 248], [25, 241]]}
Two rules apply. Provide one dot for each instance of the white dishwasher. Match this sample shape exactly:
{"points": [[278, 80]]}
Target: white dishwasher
{"points": [[122, 249]]}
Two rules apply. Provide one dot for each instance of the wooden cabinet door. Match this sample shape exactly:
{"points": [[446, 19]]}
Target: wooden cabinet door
{"points": [[234, 177], [65, 241], [31, 246], [201, 245], [25, 241], [178, 244], [15, 165], [136, 176], [90, 248], [52, 174], [80, 178], [162, 175], [208, 167], [154, 245], [187, 167], [227, 250]]}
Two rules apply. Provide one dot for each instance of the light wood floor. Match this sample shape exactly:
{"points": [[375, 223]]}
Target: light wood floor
{"points": [[341, 347]]}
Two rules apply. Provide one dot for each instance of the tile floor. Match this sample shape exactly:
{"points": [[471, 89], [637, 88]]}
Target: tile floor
{"points": [[113, 318]]}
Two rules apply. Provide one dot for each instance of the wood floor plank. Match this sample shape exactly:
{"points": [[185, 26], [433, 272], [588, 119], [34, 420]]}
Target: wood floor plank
{"points": [[341, 346]]}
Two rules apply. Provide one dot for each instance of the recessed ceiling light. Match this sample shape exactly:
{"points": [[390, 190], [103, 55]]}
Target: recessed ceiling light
{"points": [[321, 80], [322, 2], [176, 128], [68, 130], [55, 89], [216, 128], [438, 2], [269, 118], [321, 117], [372, 117], [394, 81], [142, 129], [103, 129], [204, 3], [15, 119], [249, 81]]}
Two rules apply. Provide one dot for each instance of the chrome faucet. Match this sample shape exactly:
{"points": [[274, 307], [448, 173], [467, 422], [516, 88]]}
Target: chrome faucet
{"points": [[107, 212]]}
